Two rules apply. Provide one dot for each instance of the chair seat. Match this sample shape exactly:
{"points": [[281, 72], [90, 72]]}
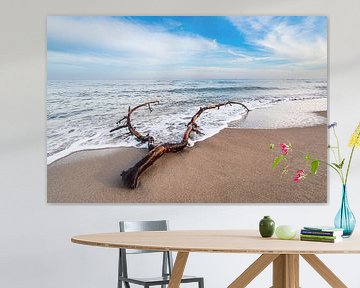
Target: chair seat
{"points": [[158, 280]]}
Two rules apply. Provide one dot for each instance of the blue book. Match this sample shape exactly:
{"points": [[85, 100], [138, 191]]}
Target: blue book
{"points": [[322, 231]]}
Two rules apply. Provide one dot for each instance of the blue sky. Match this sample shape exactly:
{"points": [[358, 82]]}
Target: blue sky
{"points": [[163, 47]]}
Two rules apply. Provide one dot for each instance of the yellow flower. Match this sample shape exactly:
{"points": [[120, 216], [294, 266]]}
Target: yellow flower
{"points": [[355, 138]]}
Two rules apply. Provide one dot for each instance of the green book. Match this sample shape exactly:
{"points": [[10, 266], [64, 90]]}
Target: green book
{"points": [[319, 236], [325, 240]]}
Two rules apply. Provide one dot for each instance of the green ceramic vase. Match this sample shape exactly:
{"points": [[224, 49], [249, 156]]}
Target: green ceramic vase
{"points": [[267, 227]]}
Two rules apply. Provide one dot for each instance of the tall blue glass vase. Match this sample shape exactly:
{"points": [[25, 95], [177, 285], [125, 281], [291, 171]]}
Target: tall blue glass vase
{"points": [[345, 219]]}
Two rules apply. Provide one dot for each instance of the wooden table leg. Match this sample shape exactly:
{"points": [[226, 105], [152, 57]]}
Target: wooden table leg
{"points": [[178, 269], [286, 271], [324, 271], [253, 270], [293, 262]]}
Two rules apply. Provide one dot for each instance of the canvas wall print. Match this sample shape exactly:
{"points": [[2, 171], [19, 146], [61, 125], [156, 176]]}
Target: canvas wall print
{"points": [[163, 109]]}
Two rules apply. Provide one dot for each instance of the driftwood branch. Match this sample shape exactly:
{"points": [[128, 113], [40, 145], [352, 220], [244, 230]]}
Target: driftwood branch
{"points": [[193, 127], [132, 130], [118, 128], [131, 176]]}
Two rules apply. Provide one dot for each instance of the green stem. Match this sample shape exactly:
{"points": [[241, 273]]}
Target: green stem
{"points": [[340, 159], [339, 171], [336, 160], [336, 169], [337, 142], [348, 167]]}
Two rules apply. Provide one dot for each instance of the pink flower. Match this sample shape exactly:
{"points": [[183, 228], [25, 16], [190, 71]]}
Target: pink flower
{"points": [[284, 148], [300, 174]]}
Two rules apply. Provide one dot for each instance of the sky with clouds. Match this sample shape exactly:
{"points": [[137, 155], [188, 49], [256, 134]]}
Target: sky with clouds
{"points": [[202, 47]]}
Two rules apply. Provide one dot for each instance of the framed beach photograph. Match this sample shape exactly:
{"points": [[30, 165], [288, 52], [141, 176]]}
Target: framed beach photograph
{"points": [[186, 109]]}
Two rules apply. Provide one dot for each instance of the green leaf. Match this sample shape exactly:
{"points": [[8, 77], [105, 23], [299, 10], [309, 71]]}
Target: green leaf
{"points": [[314, 166], [277, 160], [307, 157], [342, 163], [271, 146], [339, 166], [336, 165]]}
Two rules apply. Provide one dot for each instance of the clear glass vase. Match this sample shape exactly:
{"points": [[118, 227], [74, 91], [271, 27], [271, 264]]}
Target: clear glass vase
{"points": [[345, 219]]}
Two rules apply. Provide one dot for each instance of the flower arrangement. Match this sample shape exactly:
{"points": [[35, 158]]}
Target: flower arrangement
{"points": [[312, 164]]}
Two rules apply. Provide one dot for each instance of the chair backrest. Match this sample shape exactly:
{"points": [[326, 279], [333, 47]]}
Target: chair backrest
{"points": [[133, 226], [137, 226]]}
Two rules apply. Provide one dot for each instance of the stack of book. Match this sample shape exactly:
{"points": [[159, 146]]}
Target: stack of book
{"points": [[321, 234]]}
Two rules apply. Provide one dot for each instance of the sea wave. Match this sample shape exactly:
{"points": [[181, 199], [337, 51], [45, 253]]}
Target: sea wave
{"points": [[221, 89], [81, 113]]}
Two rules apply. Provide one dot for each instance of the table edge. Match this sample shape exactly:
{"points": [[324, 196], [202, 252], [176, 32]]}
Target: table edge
{"points": [[203, 250]]}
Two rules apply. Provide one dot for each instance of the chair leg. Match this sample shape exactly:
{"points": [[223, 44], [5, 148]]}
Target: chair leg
{"points": [[201, 283]]}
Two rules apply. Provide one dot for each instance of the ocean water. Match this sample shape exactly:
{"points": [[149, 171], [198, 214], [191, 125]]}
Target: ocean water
{"points": [[80, 114]]}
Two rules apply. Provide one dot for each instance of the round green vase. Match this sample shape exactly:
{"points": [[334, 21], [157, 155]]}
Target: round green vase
{"points": [[267, 227]]}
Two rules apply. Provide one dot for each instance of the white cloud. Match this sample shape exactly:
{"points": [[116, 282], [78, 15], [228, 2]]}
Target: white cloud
{"points": [[127, 38], [243, 58], [298, 43], [246, 24], [287, 42]]}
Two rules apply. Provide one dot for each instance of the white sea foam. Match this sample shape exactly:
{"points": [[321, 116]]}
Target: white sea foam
{"points": [[81, 113]]}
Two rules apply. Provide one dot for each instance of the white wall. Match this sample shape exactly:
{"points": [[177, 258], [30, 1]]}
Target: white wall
{"points": [[35, 248]]}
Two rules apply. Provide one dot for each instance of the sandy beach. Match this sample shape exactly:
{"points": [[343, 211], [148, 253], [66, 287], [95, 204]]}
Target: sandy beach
{"points": [[234, 166]]}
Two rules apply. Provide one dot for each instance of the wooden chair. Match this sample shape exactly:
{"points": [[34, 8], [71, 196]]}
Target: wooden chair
{"points": [[167, 262]]}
